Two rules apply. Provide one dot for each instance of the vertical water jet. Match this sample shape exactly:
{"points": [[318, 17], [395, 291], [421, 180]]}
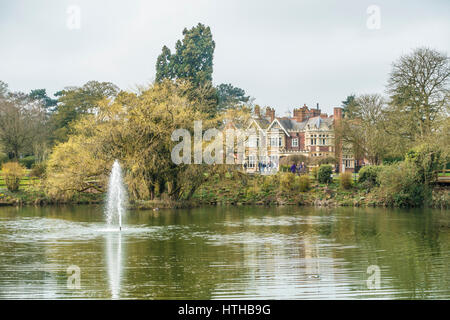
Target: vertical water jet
{"points": [[116, 198]]}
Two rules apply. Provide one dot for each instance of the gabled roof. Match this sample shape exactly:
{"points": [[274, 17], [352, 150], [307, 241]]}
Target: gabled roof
{"points": [[261, 123], [279, 121]]}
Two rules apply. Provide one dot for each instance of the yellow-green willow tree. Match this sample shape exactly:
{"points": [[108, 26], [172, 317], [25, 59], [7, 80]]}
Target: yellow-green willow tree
{"points": [[136, 129]]}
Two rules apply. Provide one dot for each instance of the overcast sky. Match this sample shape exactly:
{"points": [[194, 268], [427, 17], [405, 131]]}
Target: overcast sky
{"points": [[284, 53]]}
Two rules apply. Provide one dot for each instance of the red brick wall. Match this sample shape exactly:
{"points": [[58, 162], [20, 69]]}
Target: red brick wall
{"points": [[302, 140], [289, 141]]}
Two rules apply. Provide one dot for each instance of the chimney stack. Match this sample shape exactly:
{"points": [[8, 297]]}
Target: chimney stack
{"points": [[337, 113], [270, 113]]}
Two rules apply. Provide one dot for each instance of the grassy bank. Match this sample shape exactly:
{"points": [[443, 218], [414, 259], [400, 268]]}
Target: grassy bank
{"points": [[280, 189], [271, 190]]}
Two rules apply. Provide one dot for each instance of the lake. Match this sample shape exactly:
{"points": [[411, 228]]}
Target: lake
{"points": [[225, 253]]}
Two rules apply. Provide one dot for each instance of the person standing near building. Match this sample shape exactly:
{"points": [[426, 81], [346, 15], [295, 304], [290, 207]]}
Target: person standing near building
{"points": [[299, 169], [293, 168]]}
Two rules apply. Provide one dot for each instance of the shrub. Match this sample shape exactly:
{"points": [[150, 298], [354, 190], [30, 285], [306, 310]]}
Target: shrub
{"points": [[314, 172], [345, 180], [291, 159], [399, 185], [3, 158], [268, 183], [326, 160], [428, 160], [369, 174], [37, 170], [391, 159], [12, 173], [287, 181], [302, 182], [324, 174], [27, 162]]}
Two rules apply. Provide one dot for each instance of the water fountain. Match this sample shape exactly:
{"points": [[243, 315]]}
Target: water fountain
{"points": [[116, 199]]}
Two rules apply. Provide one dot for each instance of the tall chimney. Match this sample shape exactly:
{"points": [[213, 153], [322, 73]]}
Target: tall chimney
{"points": [[337, 113], [270, 113], [317, 106]]}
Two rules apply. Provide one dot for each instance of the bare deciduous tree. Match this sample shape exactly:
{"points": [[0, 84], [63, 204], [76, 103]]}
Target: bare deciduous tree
{"points": [[418, 86], [23, 127]]}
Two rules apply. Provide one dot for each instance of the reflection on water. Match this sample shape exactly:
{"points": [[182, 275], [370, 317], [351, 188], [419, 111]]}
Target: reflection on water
{"points": [[216, 253], [114, 258]]}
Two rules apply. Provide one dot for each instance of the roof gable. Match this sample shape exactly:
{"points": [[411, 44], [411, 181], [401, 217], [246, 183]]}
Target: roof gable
{"points": [[278, 125]]}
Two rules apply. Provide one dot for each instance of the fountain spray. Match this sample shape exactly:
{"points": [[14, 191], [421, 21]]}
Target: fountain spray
{"points": [[116, 198]]}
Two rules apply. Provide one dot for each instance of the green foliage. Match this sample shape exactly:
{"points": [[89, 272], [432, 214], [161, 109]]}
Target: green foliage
{"points": [[345, 180], [38, 170], [368, 175], [12, 173], [324, 173], [3, 157], [400, 187], [230, 96], [76, 101], [192, 60], [315, 172], [427, 160], [348, 106], [164, 66], [287, 181], [294, 158], [27, 162], [136, 129], [392, 159], [302, 182], [41, 96], [3, 89], [269, 183], [326, 160]]}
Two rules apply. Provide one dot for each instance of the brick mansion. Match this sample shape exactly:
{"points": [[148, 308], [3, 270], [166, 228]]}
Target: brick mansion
{"points": [[308, 132]]}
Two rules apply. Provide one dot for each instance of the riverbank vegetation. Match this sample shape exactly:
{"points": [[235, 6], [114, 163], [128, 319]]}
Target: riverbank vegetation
{"points": [[67, 145], [344, 190]]}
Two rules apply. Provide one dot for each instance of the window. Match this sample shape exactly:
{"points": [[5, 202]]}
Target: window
{"points": [[280, 140], [273, 141], [251, 161], [253, 142], [294, 142]]}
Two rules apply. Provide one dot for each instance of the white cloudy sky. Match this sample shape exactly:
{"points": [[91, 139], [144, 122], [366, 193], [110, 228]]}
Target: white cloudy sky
{"points": [[284, 53]]}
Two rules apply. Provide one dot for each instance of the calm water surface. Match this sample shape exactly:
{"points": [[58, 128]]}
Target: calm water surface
{"points": [[218, 253]]}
